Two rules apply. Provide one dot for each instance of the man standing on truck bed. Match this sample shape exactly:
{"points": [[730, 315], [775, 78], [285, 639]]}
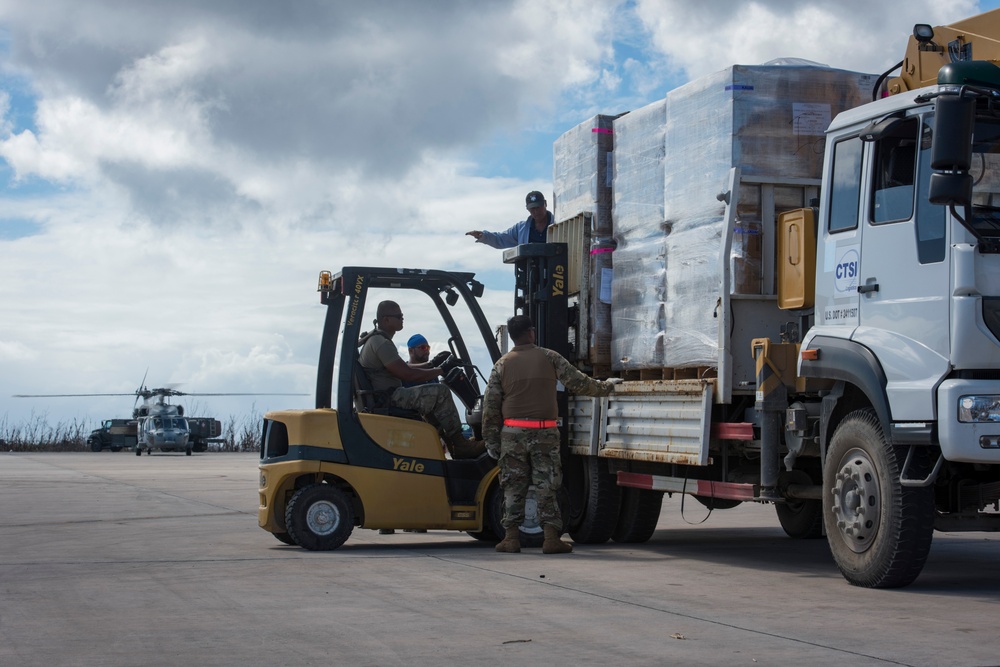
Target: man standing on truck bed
{"points": [[520, 430], [387, 372], [532, 230]]}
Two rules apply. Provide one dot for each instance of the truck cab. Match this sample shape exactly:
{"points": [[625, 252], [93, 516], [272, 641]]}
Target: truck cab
{"points": [[907, 279]]}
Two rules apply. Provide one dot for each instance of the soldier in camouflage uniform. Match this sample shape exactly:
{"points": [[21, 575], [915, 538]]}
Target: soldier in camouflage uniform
{"points": [[387, 371], [520, 430]]}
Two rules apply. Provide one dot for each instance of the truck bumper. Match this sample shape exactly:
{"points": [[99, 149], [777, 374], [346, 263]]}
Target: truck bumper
{"points": [[967, 442]]}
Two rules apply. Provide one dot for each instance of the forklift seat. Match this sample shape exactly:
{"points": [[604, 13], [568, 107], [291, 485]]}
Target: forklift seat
{"points": [[367, 399]]}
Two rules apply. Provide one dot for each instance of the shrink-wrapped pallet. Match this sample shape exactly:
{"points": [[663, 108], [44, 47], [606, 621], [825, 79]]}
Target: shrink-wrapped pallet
{"points": [[581, 173], [582, 192], [767, 120], [637, 293]]}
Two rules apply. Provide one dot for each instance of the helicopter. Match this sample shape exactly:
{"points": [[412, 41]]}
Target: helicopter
{"points": [[160, 424]]}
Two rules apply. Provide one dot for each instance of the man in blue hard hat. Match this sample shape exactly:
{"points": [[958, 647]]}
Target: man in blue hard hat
{"points": [[532, 230], [420, 353]]}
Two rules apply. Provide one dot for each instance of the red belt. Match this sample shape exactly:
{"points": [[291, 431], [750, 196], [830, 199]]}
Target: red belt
{"points": [[531, 423]]}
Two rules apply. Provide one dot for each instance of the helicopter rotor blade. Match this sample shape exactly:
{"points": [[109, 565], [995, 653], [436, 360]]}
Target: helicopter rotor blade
{"points": [[62, 395], [244, 394], [141, 389]]}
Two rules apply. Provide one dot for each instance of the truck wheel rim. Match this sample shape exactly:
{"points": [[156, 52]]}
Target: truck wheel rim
{"points": [[857, 500], [322, 517]]}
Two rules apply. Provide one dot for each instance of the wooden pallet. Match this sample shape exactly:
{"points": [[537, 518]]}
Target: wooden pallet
{"points": [[651, 374]]}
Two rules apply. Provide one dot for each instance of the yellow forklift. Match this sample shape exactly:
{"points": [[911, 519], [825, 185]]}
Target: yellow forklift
{"points": [[353, 461]]}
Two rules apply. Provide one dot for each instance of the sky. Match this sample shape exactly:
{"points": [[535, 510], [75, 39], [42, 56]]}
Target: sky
{"points": [[174, 175]]}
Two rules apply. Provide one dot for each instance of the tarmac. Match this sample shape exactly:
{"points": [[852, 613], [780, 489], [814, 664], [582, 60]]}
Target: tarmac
{"points": [[111, 559]]}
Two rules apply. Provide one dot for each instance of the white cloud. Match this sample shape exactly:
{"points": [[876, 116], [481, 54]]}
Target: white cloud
{"points": [[701, 38], [193, 165]]}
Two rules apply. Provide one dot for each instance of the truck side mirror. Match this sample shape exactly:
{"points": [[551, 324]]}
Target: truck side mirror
{"points": [[950, 189], [952, 145]]}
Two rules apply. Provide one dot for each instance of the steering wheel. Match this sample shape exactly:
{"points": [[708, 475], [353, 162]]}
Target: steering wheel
{"points": [[457, 381]]}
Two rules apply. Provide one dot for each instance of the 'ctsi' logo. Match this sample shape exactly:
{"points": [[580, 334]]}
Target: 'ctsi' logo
{"points": [[846, 272]]}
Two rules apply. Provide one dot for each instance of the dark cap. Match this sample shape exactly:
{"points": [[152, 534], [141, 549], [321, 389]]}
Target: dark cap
{"points": [[415, 340], [534, 199]]}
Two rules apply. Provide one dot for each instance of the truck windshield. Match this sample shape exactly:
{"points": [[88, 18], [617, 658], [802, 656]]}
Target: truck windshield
{"points": [[985, 173]]}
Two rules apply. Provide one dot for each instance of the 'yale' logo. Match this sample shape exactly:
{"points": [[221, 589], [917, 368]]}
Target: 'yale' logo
{"points": [[559, 280], [405, 465]]}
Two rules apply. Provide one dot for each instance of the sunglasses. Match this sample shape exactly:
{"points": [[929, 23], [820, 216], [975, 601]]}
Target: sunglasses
{"points": [[423, 347]]}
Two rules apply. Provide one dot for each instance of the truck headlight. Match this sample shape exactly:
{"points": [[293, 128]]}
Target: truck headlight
{"points": [[973, 409]]}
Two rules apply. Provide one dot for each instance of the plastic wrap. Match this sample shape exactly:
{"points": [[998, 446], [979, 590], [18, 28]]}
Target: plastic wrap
{"points": [[770, 121], [581, 172], [638, 290]]}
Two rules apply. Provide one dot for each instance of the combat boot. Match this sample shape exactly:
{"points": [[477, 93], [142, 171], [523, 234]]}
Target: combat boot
{"points": [[511, 543], [552, 543], [460, 448]]}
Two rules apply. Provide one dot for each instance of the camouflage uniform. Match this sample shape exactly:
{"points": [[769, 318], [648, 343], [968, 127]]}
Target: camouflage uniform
{"points": [[432, 401], [529, 456]]}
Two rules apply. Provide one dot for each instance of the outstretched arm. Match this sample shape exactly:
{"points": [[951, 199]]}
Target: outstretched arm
{"points": [[575, 381], [505, 239]]}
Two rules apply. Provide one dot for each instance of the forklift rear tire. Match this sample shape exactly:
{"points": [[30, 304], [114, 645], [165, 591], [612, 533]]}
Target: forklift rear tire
{"points": [[319, 517], [493, 530], [138, 452]]}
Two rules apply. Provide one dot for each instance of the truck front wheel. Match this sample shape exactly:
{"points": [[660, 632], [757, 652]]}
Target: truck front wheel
{"points": [[319, 517], [879, 531]]}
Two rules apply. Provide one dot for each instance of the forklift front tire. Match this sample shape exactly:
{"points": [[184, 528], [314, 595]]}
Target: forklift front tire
{"points": [[319, 517]]}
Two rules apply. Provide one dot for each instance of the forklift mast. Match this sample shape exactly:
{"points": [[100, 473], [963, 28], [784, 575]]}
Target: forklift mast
{"points": [[540, 288]]}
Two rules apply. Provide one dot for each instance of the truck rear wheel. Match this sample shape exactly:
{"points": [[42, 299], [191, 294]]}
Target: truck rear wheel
{"points": [[800, 518], [319, 517], [879, 531], [601, 503], [640, 512]]}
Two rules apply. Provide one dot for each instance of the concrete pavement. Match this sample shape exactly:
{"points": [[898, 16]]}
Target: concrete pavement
{"points": [[112, 559]]}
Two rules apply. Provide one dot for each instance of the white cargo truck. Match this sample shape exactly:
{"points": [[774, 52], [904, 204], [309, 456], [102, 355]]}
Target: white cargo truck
{"points": [[828, 343]]}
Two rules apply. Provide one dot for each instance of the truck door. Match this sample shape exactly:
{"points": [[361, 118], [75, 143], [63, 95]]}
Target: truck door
{"points": [[903, 278], [839, 258]]}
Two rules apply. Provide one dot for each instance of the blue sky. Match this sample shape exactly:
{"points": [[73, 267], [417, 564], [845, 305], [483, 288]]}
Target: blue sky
{"points": [[174, 175]]}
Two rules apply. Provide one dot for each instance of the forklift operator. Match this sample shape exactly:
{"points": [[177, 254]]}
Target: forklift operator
{"points": [[387, 372]]}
